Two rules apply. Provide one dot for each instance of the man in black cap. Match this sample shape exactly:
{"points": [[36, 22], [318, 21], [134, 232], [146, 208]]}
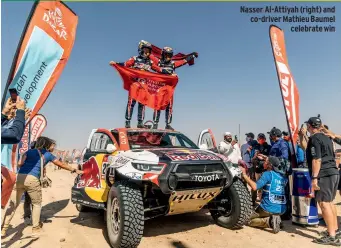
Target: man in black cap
{"points": [[325, 178], [261, 148], [274, 200]]}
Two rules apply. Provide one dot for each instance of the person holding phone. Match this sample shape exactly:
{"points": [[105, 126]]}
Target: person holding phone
{"points": [[12, 134]]}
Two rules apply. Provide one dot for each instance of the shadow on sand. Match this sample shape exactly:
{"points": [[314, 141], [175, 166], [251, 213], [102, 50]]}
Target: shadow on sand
{"points": [[48, 211]]}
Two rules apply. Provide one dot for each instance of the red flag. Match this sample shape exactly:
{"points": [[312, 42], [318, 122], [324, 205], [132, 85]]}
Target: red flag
{"points": [[289, 90], [156, 51], [151, 89]]}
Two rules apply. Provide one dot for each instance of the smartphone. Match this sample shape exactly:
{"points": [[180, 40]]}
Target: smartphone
{"points": [[14, 94]]}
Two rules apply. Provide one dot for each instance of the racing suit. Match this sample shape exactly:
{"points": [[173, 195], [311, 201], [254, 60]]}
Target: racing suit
{"points": [[146, 64], [169, 68]]}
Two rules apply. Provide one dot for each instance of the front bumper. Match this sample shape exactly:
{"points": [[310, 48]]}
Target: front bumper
{"points": [[80, 196]]}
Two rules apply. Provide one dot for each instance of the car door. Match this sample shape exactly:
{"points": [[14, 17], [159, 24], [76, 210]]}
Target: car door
{"points": [[206, 138]]}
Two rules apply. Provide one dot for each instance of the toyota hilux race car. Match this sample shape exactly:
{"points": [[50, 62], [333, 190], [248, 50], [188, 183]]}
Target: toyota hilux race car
{"points": [[138, 174]]}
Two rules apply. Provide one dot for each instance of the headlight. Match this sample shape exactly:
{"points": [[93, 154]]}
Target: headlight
{"points": [[148, 167]]}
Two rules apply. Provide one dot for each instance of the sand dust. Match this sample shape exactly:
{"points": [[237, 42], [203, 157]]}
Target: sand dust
{"points": [[65, 227]]}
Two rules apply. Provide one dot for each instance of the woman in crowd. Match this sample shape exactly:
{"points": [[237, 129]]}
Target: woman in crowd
{"points": [[29, 180]]}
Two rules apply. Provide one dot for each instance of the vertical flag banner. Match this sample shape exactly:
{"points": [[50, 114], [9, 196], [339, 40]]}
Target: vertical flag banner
{"points": [[289, 90], [32, 132], [43, 51]]}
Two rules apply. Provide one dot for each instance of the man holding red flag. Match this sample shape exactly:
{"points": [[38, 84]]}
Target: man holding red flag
{"points": [[168, 65], [141, 62]]}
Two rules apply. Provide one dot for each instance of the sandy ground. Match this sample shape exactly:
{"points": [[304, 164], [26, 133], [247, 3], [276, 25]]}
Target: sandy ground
{"points": [[65, 227]]}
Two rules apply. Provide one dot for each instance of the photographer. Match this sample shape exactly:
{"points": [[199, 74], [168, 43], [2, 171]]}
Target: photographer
{"points": [[274, 201]]}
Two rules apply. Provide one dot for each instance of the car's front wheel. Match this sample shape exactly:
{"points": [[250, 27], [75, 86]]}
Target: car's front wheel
{"points": [[232, 208], [125, 215]]}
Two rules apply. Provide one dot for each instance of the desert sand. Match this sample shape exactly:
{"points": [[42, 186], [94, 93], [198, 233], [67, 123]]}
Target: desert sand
{"points": [[65, 227]]}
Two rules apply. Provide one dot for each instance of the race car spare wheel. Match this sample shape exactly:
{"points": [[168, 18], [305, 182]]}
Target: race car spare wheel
{"points": [[232, 208], [125, 215]]}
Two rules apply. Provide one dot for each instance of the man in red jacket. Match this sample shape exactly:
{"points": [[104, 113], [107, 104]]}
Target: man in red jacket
{"points": [[141, 62], [168, 66]]}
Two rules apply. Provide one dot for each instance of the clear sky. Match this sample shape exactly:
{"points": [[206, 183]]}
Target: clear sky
{"points": [[233, 82]]}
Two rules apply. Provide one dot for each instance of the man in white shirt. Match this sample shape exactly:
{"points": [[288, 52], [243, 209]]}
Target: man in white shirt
{"points": [[230, 148]]}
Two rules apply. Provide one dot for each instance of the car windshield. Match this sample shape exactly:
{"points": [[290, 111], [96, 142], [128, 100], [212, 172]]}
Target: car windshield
{"points": [[160, 139]]}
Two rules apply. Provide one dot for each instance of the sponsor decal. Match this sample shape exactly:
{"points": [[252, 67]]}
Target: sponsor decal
{"points": [[90, 176], [55, 19], [191, 156], [195, 196], [205, 178], [123, 138], [134, 175], [24, 141], [121, 161]]}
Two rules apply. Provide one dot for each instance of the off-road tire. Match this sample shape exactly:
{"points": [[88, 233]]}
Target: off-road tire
{"points": [[241, 207], [81, 208], [128, 198]]}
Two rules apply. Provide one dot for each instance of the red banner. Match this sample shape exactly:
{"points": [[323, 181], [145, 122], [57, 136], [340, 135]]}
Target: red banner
{"points": [[156, 51], [289, 90], [151, 89]]}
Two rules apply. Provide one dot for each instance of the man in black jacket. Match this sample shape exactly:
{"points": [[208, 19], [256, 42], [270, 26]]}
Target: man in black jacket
{"points": [[13, 130]]}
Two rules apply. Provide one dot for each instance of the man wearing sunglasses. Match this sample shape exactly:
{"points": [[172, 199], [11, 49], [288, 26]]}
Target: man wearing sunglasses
{"points": [[168, 67]]}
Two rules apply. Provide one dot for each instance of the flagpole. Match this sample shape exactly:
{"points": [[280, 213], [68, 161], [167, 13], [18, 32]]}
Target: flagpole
{"points": [[239, 134]]}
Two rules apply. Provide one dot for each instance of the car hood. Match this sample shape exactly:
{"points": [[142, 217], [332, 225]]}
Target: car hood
{"points": [[171, 154]]}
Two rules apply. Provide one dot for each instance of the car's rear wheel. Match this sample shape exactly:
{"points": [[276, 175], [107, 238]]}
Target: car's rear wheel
{"points": [[233, 207], [125, 215]]}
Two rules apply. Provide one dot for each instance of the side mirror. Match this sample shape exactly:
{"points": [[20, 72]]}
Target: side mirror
{"points": [[203, 147], [111, 148]]}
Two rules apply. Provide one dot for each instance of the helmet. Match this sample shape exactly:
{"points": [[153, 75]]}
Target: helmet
{"points": [[144, 44], [166, 50]]}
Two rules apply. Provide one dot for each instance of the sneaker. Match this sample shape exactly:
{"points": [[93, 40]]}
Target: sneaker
{"points": [[275, 223], [127, 124], [27, 221], [169, 127], [140, 125], [327, 240], [37, 229], [325, 233]]}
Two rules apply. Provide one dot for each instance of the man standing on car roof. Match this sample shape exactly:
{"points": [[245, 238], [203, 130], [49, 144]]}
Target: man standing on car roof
{"points": [[168, 66], [141, 62]]}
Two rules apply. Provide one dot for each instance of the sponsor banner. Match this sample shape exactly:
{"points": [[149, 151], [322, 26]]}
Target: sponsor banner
{"points": [[289, 90], [154, 90], [42, 53]]}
